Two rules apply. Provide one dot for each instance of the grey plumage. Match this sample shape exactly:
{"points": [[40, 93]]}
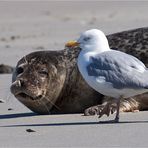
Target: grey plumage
{"points": [[120, 69]]}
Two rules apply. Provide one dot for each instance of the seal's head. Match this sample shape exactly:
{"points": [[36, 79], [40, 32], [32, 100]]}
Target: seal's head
{"points": [[38, 79]]}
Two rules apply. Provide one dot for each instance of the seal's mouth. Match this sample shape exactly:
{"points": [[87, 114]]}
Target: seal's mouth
{"points": [[21, 93], [26, 96]]}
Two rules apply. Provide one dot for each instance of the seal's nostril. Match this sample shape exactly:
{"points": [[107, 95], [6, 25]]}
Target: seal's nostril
{"points": [[18, 83], [21, 82]]}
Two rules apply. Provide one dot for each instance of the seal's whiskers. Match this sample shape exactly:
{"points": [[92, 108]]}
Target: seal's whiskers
{"points": [[52, 103], [42, 103]]}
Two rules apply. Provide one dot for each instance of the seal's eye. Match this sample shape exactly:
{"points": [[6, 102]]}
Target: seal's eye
{"points": [[19, 70], [43, 72]]}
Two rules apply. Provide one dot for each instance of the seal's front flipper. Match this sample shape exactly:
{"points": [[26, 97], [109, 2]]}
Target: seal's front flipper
{"points": [[100, 110]]}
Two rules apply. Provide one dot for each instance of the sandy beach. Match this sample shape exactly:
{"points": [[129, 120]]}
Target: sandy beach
{"points": [[31, 26]]}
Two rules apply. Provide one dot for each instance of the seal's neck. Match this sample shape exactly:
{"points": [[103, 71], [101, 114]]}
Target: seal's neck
{"points": [[70, 57]]}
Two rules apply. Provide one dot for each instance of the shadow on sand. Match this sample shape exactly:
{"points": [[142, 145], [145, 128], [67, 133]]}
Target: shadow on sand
{"points": [[21, 115]]}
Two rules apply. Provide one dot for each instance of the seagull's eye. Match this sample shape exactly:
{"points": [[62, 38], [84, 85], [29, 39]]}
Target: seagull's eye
{"points": [[86, 38]]}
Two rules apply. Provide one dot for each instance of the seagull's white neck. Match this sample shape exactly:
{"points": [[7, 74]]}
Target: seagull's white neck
{"points": [[96, 48], [101, 48]]}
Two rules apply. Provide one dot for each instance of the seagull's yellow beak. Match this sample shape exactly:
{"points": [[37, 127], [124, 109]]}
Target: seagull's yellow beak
{"points": [[72, 44]]}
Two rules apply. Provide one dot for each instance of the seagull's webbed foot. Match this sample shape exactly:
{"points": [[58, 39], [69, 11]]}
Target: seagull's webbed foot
{"points": [[110, 109], [107, 110]]}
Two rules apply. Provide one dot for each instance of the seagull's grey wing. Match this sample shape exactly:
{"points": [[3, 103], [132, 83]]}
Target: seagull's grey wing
{"points": [[120, 69]]}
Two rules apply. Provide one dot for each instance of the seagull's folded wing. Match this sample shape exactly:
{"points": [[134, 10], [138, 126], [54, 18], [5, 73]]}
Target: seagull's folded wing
{"points": [[119, 69]]}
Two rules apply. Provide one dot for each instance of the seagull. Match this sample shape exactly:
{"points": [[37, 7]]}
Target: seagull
{"points": [[110, 72]]}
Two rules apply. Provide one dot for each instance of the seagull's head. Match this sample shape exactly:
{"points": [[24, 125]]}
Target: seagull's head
{"points": [[91, 40]]}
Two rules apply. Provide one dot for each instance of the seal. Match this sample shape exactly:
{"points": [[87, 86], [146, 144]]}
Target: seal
{"points": [[49, 82]]}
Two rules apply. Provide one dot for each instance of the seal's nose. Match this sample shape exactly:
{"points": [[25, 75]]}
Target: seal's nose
{"points": [[18, 83]]}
